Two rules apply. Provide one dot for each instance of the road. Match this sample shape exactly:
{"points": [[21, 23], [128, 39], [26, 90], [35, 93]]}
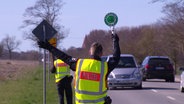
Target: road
{"points": [[154, 92]]}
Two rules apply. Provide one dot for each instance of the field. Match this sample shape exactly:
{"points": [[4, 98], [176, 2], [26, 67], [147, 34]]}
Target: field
{"points": [[21, 82]]}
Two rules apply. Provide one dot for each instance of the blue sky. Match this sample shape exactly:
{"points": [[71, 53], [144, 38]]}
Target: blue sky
{"points": [[80, 17]]}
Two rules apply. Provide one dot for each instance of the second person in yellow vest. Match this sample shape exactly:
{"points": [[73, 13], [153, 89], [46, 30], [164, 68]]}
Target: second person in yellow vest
{"points": [[63, 81]]}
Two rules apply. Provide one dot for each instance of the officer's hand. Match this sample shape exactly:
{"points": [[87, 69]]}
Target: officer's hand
{"points": [[115, 37], [45, 45], [108, 100]]}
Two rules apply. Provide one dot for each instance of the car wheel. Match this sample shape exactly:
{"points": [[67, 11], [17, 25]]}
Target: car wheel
{"points": [[144, 78], [167, 79], [172, 79], [181, 88], [139, 87]]}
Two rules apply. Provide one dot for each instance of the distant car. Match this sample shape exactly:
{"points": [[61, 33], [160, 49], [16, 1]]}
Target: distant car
{"points": [[126, 73], [182, 80], [158, 67]]}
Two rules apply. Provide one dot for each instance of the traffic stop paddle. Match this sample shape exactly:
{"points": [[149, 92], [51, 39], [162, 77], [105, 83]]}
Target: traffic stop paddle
{"points": [[111, 20]]}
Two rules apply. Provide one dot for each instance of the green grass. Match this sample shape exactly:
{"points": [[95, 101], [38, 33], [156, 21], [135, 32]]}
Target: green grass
{"points": [[28, 89]]}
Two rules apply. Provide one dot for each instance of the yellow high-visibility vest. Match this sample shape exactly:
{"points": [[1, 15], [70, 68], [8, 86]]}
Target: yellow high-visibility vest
{"points": [[62, 70], [90, 81]]}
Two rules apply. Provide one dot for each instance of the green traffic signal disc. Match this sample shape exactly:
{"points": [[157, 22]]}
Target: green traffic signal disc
{"points": [[111, 19]]}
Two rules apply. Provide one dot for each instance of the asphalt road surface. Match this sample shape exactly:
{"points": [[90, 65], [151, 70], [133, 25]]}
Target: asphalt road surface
{"points": [[154, 91]]}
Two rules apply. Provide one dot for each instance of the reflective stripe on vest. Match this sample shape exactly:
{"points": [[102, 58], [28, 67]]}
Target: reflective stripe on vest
{"points": [[90, 101], [62, 70], [91, 77]]}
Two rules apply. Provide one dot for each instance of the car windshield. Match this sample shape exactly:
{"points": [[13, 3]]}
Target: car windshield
{"points": [[126, 62], [159, 60]]}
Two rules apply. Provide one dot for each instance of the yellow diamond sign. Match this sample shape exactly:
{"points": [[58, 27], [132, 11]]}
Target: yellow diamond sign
{"points": [[53, 41]]}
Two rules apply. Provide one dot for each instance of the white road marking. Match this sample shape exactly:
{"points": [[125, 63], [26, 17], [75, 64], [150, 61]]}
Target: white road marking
{"points": [[154, 90], [171, 98]]}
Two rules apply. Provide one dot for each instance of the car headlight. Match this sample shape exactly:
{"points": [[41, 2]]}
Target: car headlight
{"points": [[137, 74], [111, 75]]}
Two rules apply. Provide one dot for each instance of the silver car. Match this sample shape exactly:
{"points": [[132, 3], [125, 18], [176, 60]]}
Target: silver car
{"points": [[182, 80], [126, 73]]}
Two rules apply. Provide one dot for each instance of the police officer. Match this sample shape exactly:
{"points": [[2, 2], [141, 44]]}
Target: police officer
{"points": [[63, 80], [90, 74]]}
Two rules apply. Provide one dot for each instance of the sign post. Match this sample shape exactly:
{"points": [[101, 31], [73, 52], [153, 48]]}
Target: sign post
{"points": [[53, 42], [44, 67], [111, 20], [44, 32]]}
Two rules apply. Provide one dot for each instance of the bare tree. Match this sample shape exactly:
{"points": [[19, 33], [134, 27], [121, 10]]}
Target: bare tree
{"points": [[49, 10], [10, 44]]}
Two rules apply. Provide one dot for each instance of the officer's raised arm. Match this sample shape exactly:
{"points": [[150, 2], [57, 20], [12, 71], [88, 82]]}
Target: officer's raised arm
{"points": [[58, 53], [116, 53]]}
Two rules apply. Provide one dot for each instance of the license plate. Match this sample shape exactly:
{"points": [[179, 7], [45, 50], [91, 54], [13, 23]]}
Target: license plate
{"points": [[159, 68], [122, 81]]}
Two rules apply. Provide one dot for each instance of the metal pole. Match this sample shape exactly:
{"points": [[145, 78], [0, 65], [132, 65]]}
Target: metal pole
{"points": [[48, 66], [112, 30], [44, 69]]}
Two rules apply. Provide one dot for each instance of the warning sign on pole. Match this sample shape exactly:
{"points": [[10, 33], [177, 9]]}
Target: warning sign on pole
{"points": [[53, 42]]}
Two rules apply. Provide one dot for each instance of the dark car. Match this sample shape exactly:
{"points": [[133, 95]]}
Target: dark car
{"points": [[158, 67]]}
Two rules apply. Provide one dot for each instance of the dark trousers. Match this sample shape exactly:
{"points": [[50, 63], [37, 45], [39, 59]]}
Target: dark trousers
{"points": [[64, 86]]}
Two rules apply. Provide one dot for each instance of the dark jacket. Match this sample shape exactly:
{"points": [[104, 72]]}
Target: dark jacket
{"points": [[72, 61]]}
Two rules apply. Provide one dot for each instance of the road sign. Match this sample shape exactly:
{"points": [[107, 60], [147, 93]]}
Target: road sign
{"points": [[111, 19], [53, 41], [44, 31]]}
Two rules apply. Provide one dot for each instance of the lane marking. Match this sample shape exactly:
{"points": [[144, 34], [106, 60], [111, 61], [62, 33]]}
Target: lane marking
{"points": [[154, 90], [170, 97]]}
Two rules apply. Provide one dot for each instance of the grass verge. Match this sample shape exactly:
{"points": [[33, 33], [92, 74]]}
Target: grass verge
{"points": [[28, 89]]}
